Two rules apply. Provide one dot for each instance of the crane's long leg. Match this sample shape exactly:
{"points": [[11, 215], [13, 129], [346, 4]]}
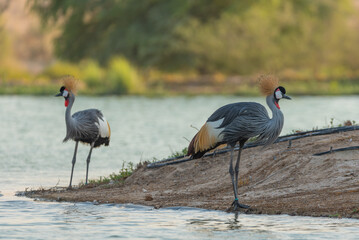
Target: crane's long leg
{"points": [[88, 161], [236, 169], [231, 172], [73, 164], [235, 203]]}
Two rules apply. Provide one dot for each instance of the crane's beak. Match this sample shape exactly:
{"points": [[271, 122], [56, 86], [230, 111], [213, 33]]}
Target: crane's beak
{"points": [[58, 95], [287, 97]]}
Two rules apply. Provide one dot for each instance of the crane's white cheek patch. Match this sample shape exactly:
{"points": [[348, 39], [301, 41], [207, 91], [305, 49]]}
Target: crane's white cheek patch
{"points": [[278, 94], [65, 93]]}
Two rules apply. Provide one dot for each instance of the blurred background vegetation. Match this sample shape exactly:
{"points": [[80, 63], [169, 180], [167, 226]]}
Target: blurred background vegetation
{"points": [[159, 47]]}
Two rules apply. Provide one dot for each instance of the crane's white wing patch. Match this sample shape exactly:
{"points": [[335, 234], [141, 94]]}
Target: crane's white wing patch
{"points": [[104, 128], [214, 131]]}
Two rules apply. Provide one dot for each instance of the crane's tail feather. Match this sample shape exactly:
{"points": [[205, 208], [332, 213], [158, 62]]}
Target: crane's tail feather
{"points": [[105, 141], [191, 150], [202, 142]]}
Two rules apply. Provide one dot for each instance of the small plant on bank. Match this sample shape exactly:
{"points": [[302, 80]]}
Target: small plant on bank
{"points": [[336, 215], [183, 152], [331, 125], [113, 178], [176, 154], [345, 123]]}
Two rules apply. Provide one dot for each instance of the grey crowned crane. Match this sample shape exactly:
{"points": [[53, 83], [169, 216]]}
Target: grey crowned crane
{"points": [[87, 126], [238, 122]]}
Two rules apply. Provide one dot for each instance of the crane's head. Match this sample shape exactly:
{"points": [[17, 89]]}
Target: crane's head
{"points": [[278, 94], [64, 93], [268, 85], [68, 89]]}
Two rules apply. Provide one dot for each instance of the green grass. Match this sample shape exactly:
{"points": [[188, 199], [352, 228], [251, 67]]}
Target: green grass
{"points": [[336, 215], [97, 87], [183, 152], [120, 77], [332, 124], [113, 178], [125, 172]]}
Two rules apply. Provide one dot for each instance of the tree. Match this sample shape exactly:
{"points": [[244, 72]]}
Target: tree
{"points": [[234, 37]]}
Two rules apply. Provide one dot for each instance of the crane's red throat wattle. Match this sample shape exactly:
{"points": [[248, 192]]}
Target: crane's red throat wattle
{"points": [[66, 102], [276, 104]]}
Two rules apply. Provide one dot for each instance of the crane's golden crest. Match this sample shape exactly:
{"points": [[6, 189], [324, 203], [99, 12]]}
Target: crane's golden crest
{"points": [[70, 83], [267, 84]]}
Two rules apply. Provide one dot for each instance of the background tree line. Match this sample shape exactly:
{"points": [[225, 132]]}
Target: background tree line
{"points": [[209, 36], [180, 46]]}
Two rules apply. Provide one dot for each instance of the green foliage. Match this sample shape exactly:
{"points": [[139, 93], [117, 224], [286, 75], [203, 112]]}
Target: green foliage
{"points": [[310, 45], [122, 77], [331, 125], [345, 123], [60, 69], [92, 74], [271, 36], [119, 78], [113, 178], [179, 153], [336, 215], [12, 74], [209, 36], [94, 77]]}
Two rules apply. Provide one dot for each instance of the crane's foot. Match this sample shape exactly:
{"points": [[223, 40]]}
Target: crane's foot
{"points": [[69, 188], [236, 206]]}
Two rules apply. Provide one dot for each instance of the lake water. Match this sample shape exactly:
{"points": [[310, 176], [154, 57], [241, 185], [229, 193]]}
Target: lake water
{"points": [[32, 155]]}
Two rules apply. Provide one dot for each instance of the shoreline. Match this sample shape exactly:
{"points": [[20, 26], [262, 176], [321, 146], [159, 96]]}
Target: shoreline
{"points": [[275, 180]]}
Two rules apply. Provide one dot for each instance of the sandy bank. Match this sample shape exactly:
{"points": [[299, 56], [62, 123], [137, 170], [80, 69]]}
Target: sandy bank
{"points": [[276, 180]]}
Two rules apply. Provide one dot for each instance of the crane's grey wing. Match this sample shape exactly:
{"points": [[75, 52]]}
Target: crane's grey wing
{"points": [[88, 117], [230, 112], [241, 121], [252, 121], [85, 126], [103, 125], [227, 125], [98, 129]]}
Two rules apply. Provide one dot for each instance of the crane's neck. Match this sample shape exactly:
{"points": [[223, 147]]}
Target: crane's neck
{"points": [[275, 125], [68, 118], [274, 107]]}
